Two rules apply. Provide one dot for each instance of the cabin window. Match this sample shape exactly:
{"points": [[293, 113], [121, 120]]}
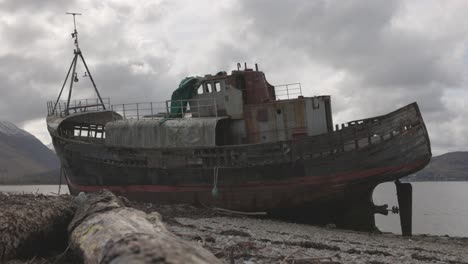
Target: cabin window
{"points": [[89, 131], [209, 88], [200, 89], [217, 86]]}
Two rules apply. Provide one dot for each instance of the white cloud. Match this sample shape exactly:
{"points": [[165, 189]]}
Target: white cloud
{"points": [[371, 56], [36, 127]]}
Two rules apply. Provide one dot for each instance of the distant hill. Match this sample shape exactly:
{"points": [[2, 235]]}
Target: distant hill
{"points": [[24, 159], [452, 166]]}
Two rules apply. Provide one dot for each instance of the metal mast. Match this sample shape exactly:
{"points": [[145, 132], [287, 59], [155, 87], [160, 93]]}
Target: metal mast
{"points": [[74, 77]]}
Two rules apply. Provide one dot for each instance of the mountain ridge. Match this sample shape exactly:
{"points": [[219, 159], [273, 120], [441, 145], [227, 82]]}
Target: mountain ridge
{"points": [[451, 166], [24, 159]]}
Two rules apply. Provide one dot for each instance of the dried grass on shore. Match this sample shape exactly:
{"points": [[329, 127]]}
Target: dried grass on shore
{"points": [[242, 239]]}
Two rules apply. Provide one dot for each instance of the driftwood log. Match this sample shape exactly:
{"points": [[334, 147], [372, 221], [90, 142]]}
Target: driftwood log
{"points": [[105, 231], [31, 224]]}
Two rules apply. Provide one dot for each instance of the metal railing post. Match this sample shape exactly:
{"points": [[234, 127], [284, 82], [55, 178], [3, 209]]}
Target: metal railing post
{"points": [[123, 110], [181, 105], [152, 114], [215, 107], [138, 112]]}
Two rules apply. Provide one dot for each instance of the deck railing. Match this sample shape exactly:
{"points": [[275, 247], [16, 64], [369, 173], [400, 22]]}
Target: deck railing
{"points": [[82, 105], [288, 91], [205, 107]]}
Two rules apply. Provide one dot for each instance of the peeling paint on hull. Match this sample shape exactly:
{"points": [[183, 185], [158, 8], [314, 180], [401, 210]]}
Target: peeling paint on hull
{"points": [[253, 178], [330, 176]]}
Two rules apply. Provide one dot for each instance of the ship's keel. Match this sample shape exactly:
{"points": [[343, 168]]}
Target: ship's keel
{"points": [[355, 211], [358, 212]]}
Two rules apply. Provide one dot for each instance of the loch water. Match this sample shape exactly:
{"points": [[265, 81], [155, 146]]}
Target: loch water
{"points": [[439, 208]]}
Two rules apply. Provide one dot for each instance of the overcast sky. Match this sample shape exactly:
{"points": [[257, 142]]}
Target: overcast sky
{"points": [[371, 56]]}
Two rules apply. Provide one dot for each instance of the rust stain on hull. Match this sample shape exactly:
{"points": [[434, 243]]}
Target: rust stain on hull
{"points": [[268, 155]]}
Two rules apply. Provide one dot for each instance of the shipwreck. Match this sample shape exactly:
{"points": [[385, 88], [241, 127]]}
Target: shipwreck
{"points": [[234, 141]]}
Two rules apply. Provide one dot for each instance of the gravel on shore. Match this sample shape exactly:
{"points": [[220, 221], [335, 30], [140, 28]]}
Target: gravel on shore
{"points": [[241, 239], [235, 238]]}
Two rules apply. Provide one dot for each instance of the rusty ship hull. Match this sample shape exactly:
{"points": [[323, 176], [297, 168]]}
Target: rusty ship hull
{"points": [[236, 142], [328, 168]]}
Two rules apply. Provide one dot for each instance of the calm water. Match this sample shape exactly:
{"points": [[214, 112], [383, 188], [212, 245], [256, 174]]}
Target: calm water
{"points": [[44, 189], [439, 208]]}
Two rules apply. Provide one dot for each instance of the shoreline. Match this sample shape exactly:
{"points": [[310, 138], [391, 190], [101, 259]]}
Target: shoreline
{"points": [[427, 218], [34, 184], [64, 184], [241, 239]]}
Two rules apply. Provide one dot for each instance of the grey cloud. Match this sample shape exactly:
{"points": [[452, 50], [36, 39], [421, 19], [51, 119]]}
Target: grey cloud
{"points": [[31, 74], [124, 85], [34, 6], [355, 36], [132, 55], [21, 33], [25, 87], [386, 66]]}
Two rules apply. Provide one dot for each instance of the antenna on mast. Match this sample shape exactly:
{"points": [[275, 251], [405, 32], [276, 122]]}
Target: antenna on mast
{"points": [[74, 76], [75, 32]]}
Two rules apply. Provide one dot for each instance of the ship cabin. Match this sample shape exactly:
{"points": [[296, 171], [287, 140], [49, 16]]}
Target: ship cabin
{"points": [[259, 112], [221, 109]]}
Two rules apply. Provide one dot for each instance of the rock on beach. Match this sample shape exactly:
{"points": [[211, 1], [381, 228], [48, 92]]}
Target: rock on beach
{"points": [[232, 238]]}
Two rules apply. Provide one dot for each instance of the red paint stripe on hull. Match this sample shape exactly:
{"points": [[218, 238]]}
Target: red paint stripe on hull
{"points": [[331, 179]]}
